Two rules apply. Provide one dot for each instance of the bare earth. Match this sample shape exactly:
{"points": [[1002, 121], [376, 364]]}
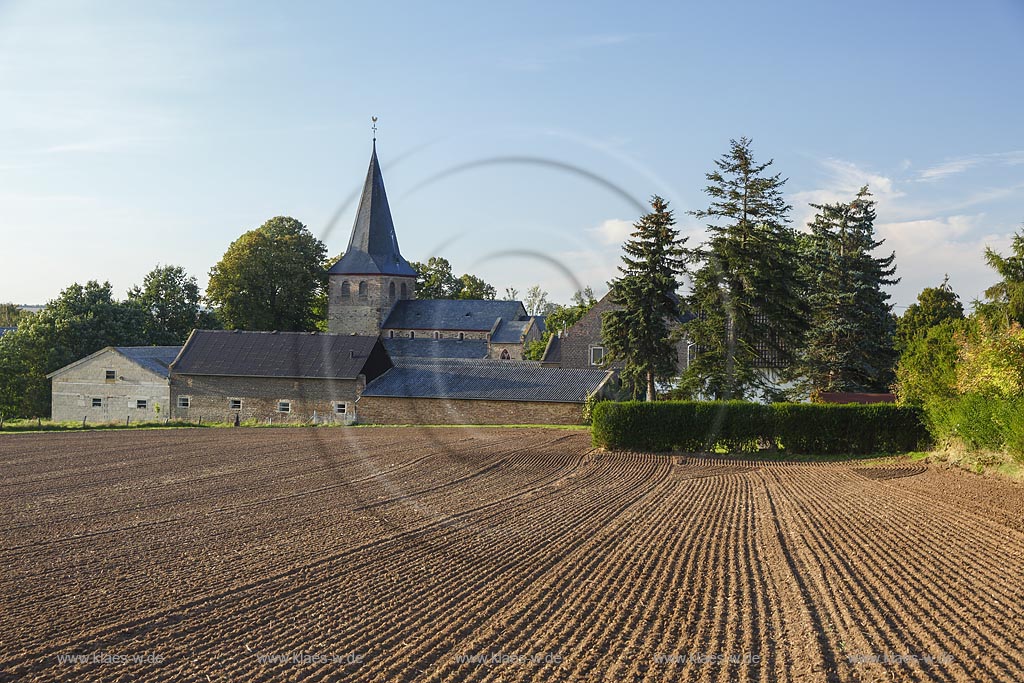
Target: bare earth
{"points": [[493, 554]]}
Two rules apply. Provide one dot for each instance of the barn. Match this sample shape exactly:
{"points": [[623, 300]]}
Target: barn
{"points": [[450, 391]]}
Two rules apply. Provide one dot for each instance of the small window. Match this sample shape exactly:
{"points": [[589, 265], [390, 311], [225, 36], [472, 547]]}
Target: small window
{"points": [[405, 291], [437, 335], [391, 290], [362, 289], [97, 403], [346, 290], [412, 334], [462, 336], [505, 355], [391, 334], [110, 375], [184, 401], [340, 408], [235, 404], [596, 355], [141, 404], [284, 406]]}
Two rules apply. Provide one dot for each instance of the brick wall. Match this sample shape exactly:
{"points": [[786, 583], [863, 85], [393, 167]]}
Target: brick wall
{"points": [[380, 410], [210, 398], [74, 390]]}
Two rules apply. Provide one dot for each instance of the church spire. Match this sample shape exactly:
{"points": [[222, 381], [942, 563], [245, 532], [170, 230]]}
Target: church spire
{"points": [[373, 246]]}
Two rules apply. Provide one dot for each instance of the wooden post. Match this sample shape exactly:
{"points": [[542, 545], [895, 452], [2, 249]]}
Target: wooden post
{"points": [[83, 420], [127, 420]]}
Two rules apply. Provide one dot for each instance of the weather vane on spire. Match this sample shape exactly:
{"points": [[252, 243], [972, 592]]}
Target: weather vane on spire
{"points": [[374, 128]]}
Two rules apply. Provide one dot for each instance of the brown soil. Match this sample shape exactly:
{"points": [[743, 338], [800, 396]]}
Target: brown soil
{"points": [[403, 554]]}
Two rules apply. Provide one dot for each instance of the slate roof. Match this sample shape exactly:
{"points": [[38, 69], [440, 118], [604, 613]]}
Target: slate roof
{"points": [[452, 314], [435, 348], [373, 246], [553, 351], [294, 355], [487, 380], [156, 359], [512, 331]]}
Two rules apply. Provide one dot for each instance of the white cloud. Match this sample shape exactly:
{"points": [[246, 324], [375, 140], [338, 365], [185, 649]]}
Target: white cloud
{"points": [[613, 231], [959, 165]]}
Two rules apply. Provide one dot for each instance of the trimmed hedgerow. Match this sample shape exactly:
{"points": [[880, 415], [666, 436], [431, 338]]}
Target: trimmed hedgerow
{"points": [[741, 427]]}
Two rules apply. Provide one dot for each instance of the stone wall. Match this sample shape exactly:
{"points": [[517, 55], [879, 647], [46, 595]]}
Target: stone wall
{"points": [[210, 398], [363, 315], [388, 410], [73, 391], [429, 333]]}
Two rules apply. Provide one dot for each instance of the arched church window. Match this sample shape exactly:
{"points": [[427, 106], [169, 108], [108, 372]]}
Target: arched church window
{"points": [[346, 289], [462, 336], [405, 291], [505, 355], [362, 289], [391, 334], [391, 290], [437, 335], [412, 335]]}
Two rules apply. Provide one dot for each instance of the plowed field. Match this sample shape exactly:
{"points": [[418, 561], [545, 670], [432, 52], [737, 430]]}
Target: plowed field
{"points": [[493, 554]]}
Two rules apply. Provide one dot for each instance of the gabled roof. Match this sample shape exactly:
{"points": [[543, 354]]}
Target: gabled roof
{"points": [[400, 349], [155, 359], [510, 331], [492, 380], [452, 314], [295, 355], [553, 351], [373, 246]]}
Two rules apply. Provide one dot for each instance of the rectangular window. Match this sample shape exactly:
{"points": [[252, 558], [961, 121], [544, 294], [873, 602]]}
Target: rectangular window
{"points": [[184, 401], [235, 404], [284, 406], [97, 403], [142, 404], [596, 355], [340, 408], [110, 375]]}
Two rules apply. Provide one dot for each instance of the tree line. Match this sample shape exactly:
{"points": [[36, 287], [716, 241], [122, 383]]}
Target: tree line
{"points": [[774, 313]]}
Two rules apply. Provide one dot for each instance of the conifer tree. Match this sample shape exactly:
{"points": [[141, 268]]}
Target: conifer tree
{"points": [[850, 345], [747, 292], [638, 333]]}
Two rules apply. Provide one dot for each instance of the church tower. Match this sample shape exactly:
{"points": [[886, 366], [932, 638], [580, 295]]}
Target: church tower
{"points": [[372, 275]]}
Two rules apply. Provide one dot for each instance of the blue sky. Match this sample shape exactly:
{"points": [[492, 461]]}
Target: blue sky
{"points": [[516, 139]]}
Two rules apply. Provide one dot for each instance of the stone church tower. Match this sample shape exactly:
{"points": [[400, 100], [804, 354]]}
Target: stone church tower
{"points": [[372, 275]]}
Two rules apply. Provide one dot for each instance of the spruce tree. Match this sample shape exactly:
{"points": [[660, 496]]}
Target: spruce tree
{"points": [[851, 342], [638, 333], [747, 292]]}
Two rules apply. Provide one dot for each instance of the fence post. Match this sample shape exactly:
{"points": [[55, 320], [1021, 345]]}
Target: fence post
{"points": [[83, 420], [127, 420]]}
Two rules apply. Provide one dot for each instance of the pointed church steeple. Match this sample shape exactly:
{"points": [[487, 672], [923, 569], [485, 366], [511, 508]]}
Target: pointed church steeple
{"points": [[373, 246]]}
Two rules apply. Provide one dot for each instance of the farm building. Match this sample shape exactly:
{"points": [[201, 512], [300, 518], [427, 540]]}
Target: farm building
{"points": [[445, 391], [114, 384], [473, 348], [581, 346], [284, 376]]}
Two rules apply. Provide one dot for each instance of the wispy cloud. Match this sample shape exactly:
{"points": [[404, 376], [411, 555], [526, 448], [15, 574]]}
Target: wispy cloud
{"points": [[956, 166], [566, 50]]}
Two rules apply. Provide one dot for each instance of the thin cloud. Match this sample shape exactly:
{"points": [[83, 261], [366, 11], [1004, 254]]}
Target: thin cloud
{"points": [[960, 165]]}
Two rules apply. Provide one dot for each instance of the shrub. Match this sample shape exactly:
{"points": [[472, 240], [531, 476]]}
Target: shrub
{"points": [[741, 427], [979, 423]]}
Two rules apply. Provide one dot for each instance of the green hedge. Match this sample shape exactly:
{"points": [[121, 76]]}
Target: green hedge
{"points": [[980, 423], [740, 427]]}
